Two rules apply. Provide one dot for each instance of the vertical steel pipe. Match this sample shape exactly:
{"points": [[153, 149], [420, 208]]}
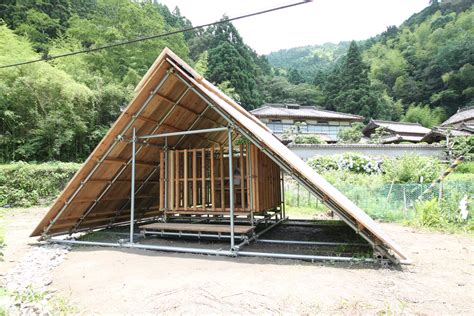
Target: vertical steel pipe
{"points": [[132, 188], [231, 191], [166, 179]]}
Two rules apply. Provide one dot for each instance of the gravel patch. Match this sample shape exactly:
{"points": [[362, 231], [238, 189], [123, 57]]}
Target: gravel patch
{"points": [[30, 278]]}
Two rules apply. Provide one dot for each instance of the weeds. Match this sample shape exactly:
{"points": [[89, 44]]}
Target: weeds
{"points": [[32, 299]]}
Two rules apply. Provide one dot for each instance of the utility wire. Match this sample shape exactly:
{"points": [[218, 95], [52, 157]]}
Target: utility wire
{"points": [[140, 39]]}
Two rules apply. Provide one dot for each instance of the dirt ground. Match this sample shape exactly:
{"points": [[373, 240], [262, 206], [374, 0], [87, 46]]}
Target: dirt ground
{"points": [[113, 281]]}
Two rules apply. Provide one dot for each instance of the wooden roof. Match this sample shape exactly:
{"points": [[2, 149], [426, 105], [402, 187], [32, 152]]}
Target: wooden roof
{"points": [[171, 97]]}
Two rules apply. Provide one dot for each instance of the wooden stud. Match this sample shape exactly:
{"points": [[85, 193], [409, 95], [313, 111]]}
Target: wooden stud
{"points": [[185, 182], [194, 179], [213, 191], [177, 198], [203, 179], [162, 180], [242, 178], [171, 173], [221, 166]]}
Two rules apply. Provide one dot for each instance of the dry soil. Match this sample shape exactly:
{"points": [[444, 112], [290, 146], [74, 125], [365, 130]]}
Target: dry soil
{"points": [[114, 281]]}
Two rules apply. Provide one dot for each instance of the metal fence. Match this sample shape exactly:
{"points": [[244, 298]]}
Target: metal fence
{"points": [[389, 202]]}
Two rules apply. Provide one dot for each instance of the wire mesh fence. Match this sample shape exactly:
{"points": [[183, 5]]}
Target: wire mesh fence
{"points": [[390, 201]]}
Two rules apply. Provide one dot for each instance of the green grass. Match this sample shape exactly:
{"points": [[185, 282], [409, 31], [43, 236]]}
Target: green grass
{"points": [[2, 232], [57, 305]]}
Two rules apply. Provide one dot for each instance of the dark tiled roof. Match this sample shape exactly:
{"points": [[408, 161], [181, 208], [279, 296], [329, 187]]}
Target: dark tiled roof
{"points": [[302, 111], [462, 115], [396, 127]]}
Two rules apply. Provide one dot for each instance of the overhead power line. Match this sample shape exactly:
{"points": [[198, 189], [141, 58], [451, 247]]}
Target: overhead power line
{"points": [[146, 38]]}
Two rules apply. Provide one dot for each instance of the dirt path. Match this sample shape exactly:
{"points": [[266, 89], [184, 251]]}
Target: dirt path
{"points": [[103, 281]]}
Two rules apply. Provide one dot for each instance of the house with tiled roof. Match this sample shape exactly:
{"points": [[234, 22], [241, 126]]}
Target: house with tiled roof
{"points": [[459, 124], [397, 132], [280, 117], [464, 116]]}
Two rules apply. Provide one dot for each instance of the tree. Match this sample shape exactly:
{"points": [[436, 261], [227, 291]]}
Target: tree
{"points": [[423, 115], [230, 60], [355, 94], [294, 76]]}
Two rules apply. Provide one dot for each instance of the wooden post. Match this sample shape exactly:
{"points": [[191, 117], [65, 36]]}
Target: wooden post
{"points": [[213, 191], [171, 183], [177, 198], [185, 182], [194, 179], [255, 176], [221, 166], [162, 180], [203, 179]]}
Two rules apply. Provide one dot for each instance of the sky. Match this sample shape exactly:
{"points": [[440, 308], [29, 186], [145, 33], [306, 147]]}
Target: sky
{"points": [[312, 23]]}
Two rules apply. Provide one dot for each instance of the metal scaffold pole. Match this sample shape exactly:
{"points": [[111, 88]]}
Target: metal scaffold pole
{"points": [[132, 188], [166, 180]]}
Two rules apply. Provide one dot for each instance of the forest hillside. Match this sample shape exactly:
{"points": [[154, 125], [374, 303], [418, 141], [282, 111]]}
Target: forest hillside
{"points": [[59, 109]]}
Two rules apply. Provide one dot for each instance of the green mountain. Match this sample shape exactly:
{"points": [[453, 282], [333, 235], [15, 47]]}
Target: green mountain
{"points": [[427, 62], [307, 60], [420, 71]]}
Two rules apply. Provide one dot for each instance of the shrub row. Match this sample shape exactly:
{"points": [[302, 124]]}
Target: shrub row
{"points": [[406, 169], [24, 184]]}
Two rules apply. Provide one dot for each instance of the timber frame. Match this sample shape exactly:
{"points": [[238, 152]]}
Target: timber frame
{"points": [[177, 112]]}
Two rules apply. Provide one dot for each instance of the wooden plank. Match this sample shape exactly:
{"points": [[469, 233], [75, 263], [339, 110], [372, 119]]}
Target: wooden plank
{"points": [[185, 182], [256, 179], [213, 189], [194, 179], [221, 166], [176, 193], [203, 179], [249, 176], [238, 211], [171, 186], [211, 228], [162, 180]]}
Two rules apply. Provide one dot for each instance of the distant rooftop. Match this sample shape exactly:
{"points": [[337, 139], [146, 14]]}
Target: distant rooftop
{"points": [[296, 111], [461, 115], [439, 133], [396, 127]]}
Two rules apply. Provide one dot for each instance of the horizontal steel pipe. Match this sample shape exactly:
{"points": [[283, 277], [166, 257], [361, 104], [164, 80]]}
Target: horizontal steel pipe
{"points": [[205, 251], [310, 243], [197, 131], [255, 236], [302, 257], [213, 251]]}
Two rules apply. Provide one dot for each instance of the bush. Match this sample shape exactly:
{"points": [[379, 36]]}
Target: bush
{"points": [[23, 184], [308, 139], [424, 115], [351, 162], [411, 169], [465, 167], [351, 134], [463, 145], [444, 215]]}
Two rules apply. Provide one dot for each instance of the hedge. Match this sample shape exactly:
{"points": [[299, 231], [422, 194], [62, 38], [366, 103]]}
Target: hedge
{"points": [[26, 184]]}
